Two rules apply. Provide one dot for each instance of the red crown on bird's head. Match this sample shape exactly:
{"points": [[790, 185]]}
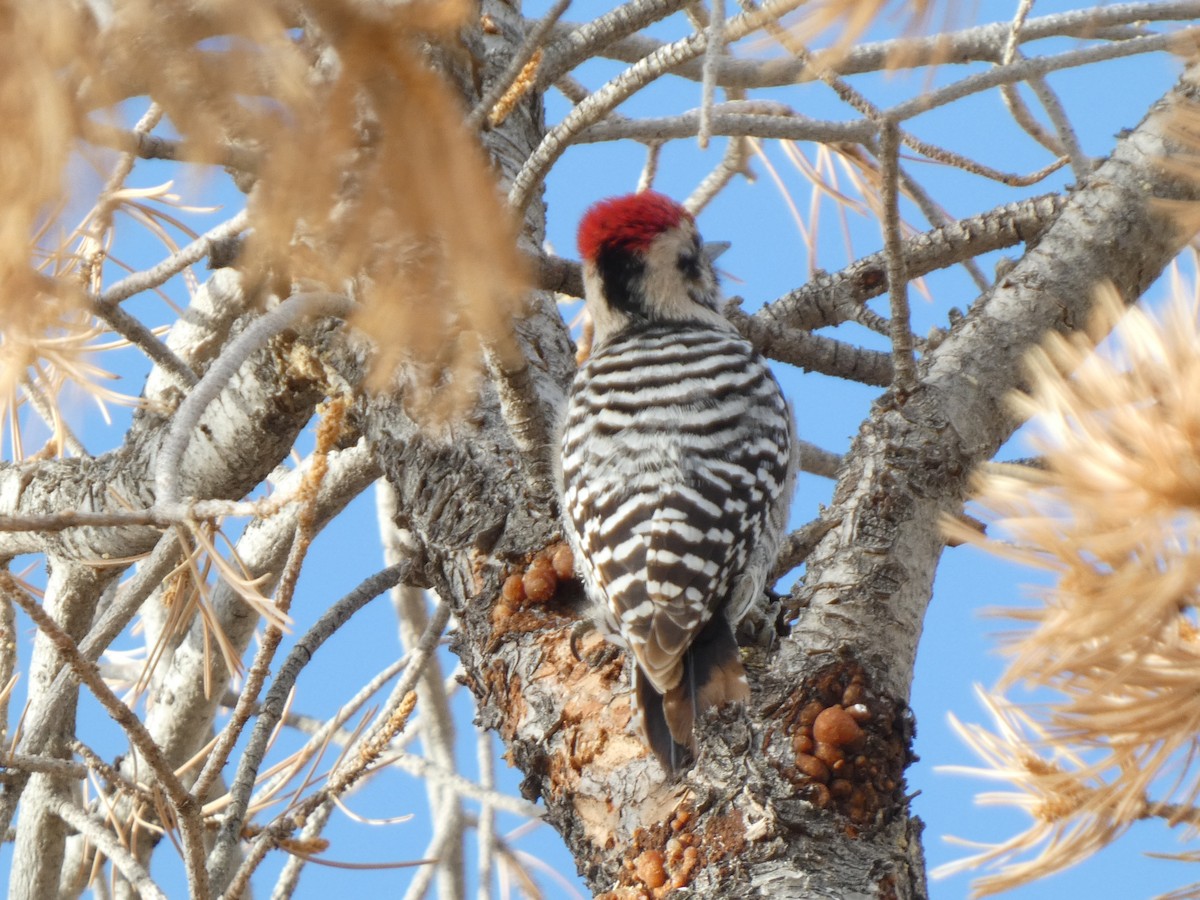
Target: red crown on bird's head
{"points": [[629, 223]]}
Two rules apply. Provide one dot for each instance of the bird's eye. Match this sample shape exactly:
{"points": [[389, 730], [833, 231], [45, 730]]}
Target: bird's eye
{"points": [[691, 260]]}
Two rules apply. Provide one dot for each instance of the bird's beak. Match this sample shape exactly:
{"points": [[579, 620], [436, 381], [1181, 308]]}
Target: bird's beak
{"points": [[712, 250]]}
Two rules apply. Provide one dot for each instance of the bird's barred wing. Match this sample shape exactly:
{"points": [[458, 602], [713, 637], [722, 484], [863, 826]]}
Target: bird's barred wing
{"points": [[671, 470]]}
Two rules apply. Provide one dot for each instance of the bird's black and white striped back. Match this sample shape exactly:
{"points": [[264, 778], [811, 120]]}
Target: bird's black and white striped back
{"points": [[676, 467]]}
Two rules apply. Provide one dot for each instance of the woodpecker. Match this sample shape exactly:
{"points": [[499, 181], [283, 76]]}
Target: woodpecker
{"points": [[677, 465]]}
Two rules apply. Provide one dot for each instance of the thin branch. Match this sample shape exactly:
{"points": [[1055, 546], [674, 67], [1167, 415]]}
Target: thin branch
{"points": [[150, 146], [1012, 97], [185, 256], [41, 721], [937, 217], [49, 765], [576, 44], [444, 833], [71, 518], [99, 834], [637, 76], [516, 66], [732, 164], [185, 806], [486, 823], [562, 276], [904, 364], [817, 460], [8, 662], [950, 158], [256, 677], [979, 43], [329, 431], [1081, 163], [712, 60], [1024, 69], [186, 419], [1022, 115], [650, 167], [321, 733], [436, 726], [343, 777], [777, 339], [392, 718], [328, 731], [423, 768], [831, 299], [800, 543], [780, 125], [143, 338], [222, 858], [97, 766], [93, 239]]}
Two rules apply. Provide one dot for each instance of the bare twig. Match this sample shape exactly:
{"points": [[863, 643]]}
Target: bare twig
{"points": [[800, 543], [93, 240], [650, 167], [99, 834], [831, 299], [187, 417], [42, 719], [175, 263], [1012, 97], [637, 76], [950, 158], [577, 43], [516, 66], [223, 857], [938, 218], [733, 163], [1081, 163], [904, 364], [328, 731], [817, 353], [712, 60], [143, 338], [419, 766], [1024, 69], [50, 765], [392, 718], [8, 661], [328, 432], [817, 460], [444, 832], [436, 726], [778, 125], [485, 833], [978, 43], [79, 519], [150, 146], [184, 805]]}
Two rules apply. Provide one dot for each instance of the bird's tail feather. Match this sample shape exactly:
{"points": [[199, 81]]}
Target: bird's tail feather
{"points": [[712, 675]]}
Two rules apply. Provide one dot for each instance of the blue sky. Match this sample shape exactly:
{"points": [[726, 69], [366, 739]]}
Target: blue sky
{"points": [[768, 257]]}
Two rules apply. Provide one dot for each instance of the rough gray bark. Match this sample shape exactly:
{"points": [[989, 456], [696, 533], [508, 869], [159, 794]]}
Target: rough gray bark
{"points": [[763, 814]]}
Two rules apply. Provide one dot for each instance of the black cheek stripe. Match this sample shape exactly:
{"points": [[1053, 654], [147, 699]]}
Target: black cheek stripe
{"points": [[621, 273]]}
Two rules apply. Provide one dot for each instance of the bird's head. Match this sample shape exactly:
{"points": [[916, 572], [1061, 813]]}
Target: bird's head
{"points": [[644, 263]]}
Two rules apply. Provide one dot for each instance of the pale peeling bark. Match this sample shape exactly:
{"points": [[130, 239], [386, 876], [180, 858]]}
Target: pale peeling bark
{"points": [[244, 435]]}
